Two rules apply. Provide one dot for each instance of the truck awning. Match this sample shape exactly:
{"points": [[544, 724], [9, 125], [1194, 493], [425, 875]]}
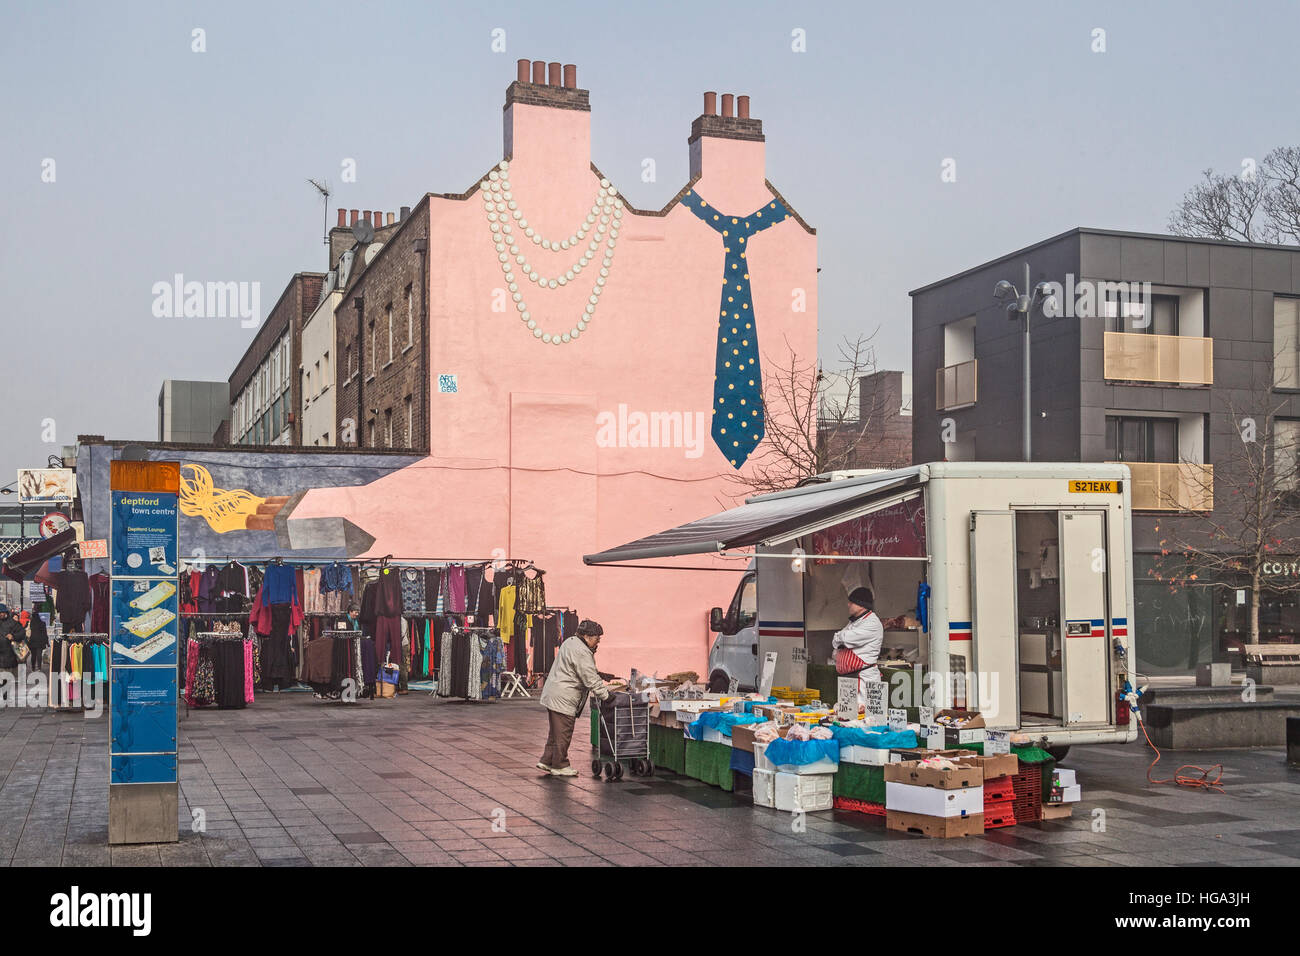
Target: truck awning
{"points": [[769, 519]]}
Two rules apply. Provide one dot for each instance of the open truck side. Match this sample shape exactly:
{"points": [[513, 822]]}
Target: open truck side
{"points": [[1027, 600]]}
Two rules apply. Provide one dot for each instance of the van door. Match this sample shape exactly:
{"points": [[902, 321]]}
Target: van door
{"points": [[1085, 656], [993, 670], [735, 648]]}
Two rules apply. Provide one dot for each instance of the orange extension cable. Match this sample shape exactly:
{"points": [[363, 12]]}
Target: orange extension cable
{"points": [[1203, 782]]}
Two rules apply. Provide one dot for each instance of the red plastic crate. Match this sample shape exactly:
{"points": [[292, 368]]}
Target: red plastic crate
{"points": [[999, 789], [1029, 793], [1002, 813], [859, 806]]}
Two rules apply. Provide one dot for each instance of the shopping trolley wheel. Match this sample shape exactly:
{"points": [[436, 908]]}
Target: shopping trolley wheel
{"points": [[618, 771], [595, 768], [609, 771], [643, 768]]}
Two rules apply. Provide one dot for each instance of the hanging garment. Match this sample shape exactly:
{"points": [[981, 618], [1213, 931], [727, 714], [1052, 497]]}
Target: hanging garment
{"points": [[506, 613], [738, 424], [413, 587], [207, 593], [280, 584], [313, 600], [531, 596], [99, 603], [278, 664], [453, 589], [432, 589]]}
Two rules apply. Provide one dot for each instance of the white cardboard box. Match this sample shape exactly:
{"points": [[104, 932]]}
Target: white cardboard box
{"points": [[823, 766], [1071, 794], [1065, 777], [933, 802], [805, 793], [715, 736], [871, 756], [764, 788], [760, 758]]}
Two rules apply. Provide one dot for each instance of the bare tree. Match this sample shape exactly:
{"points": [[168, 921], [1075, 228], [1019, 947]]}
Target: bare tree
{"points": [[815, 418], [1255, 516], [1259, 204]]}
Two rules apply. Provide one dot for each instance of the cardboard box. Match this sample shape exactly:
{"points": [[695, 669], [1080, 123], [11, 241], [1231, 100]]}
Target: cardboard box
{"points": [[933, 802], [1063, 777], [939, 827], [971, 731], [899, 755], [1057, 811], [714, 736], [1066, 795], [742, 737], [804, 793], [998, 765], [965, 776], [764, 788]]}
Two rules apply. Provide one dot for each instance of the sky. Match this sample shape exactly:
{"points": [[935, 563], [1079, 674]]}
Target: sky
{"points": [[169, 160]]}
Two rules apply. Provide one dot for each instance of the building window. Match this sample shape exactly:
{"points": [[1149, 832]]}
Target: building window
{"points": [[306, 386], [1126, 313], [373, 349], [325, 371], [410, 317], [388, 426], [1141, 439], [371, 424], [1286, 454], [388, 311], [1286, 342], [410, 423]]}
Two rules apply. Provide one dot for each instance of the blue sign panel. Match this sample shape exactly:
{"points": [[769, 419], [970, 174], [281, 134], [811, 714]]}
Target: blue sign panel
{"points": [[143, 709], [157, 768], [143, 534], [144, 621]]}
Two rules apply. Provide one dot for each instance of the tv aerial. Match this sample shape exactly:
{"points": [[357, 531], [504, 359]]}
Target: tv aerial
{"points": [[324, 190]]}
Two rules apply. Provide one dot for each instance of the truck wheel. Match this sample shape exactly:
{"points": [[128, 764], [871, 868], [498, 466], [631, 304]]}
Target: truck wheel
{"points": [[719, 682], [1058, 753]]}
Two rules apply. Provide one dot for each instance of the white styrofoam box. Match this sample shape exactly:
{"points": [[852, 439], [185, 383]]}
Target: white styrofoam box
{"points": [[1065, 777], [760, 758], [804, 792], [871, 756], [1071, 794], [933, 802], [764, 788], [715, 736], [686, 716], [825, 765]]}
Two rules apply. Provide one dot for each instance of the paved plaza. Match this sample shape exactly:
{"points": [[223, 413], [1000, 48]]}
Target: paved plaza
{"points": [[293, 781]]}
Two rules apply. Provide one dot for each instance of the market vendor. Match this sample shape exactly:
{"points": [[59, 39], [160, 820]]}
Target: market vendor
{"points": [[572, 677], [856, 645]]}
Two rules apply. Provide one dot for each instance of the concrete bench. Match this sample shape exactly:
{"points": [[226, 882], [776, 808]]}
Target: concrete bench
{"points": [[1273, 663]]}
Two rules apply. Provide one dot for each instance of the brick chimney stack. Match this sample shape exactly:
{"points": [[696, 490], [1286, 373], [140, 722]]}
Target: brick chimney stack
{"points": [[539, 83], [711, 129]]}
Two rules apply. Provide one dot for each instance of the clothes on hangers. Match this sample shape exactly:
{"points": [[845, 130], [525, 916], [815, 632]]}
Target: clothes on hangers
{"points": [[100, 609], [506, 612], [532, 594], [453, 588], [413, 590]]}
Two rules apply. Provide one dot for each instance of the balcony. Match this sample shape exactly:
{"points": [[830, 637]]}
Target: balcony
{"points": [[1142, 357], [1172, 486], [954, 386]]}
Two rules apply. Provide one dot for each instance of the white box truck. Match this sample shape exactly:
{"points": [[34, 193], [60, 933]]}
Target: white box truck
{"points": [[1004, 587]]}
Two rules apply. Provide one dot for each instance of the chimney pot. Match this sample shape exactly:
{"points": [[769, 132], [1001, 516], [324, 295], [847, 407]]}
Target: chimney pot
{"points": [[742, 107], [728, 102], [406, 211], [355, 216], [365, 215], [710, 104], [391, 219], [539, 72], [522, 68], [554, 77], [343, 217], [570, 76]]}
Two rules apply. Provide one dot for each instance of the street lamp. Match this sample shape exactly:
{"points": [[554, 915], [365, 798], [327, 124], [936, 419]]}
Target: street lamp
{"points": [[1019, 305]]}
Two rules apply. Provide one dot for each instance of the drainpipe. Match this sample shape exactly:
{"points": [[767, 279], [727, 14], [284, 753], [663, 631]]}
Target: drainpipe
{"points": [[422, 249], [359, 303]]}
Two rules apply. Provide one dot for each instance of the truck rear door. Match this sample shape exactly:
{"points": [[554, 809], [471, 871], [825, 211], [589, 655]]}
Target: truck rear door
{"points": [[993, 683], [1085, 643]]}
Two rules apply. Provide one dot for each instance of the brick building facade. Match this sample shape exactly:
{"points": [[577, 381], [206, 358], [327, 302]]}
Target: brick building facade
{"points": [[881, 437]]}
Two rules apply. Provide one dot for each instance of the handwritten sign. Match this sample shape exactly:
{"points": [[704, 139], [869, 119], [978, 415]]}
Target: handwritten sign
{"points": [[769, 672], [997, 742], [933, 737], [846, 702], [877, 708], [732, 686], [738, 705], [94, 549], [897, 719]]}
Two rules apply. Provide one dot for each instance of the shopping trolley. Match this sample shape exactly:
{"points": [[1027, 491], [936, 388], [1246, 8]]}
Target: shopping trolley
{"points": [[620, 734]]}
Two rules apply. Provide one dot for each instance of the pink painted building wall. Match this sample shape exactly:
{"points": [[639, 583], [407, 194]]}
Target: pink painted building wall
{"points": [[516, 467]]}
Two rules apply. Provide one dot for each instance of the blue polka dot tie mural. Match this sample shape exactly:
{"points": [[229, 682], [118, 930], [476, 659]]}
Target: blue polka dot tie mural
{"points": [[738, 381]]}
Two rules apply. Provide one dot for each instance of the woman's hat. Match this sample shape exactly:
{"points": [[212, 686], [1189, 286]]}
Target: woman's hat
{"points": [[862, 597]]}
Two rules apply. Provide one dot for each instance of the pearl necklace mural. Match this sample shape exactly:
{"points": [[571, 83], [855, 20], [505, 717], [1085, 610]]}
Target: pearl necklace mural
{"points": [[602, 223]]}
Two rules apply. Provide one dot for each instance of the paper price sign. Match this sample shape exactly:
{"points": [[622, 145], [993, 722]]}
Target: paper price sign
{"points": [[738, 706], [997, 742], [846, 701], [733, 685], [897, 719], [876, 706], [933, 737], [926, 715]]}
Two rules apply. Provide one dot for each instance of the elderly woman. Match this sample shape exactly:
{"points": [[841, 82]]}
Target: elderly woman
{"points": [[572, 677]]}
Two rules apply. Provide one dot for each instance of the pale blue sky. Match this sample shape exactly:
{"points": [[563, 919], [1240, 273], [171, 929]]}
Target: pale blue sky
{"points": [[171, 161]]}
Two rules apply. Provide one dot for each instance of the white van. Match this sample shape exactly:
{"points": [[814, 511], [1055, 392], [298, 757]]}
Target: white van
{"points": [[1027, 569]]}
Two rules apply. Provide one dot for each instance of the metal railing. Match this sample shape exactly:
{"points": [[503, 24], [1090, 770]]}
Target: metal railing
{"points": [[1172, 486], [955, 385], [1142, 357]]}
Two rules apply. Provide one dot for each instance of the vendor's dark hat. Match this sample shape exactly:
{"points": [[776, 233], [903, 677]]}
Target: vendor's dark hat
{"points": [[590, 627], [862, 597]]}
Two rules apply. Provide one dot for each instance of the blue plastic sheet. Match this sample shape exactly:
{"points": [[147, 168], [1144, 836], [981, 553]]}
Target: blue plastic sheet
{"points": [[802, 752], [881, 738], [742, 761], [721, 722]]}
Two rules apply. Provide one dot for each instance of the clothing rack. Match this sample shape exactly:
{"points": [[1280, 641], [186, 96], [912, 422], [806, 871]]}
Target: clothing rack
{"points": [[203, 563], [55, 670]]}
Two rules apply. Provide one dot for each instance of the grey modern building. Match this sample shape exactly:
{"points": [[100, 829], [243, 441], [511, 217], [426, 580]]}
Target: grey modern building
{"points": [[192, 411], [1150, 344]]}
